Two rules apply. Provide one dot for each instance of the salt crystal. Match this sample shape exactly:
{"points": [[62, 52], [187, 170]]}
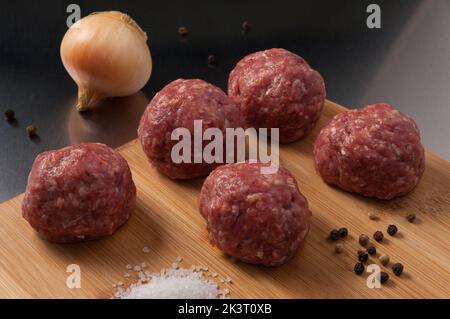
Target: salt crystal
{"points": [[129, 267], [145, 250], [120, 283], [175, 284], [179, 259], [127, 275], [214, 275], [137, 268], [143, 265]]}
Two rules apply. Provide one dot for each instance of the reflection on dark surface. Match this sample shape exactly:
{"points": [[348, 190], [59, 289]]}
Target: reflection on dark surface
{"points": [[114, 122], [405, 63]]}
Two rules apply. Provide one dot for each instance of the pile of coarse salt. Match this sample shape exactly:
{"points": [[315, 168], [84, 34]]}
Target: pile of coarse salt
{"points": [[174, 283]]}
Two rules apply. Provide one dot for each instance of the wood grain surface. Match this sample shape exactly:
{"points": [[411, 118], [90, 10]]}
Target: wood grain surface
{"points": [[167, 221]]}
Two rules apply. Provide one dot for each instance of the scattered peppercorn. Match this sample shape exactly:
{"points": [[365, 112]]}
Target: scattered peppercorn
{"points": [[411, 217], [10, 115], [246, 27], [212, 60], [343, 232], [397, 268], [363, 239], [392, 230], [362, 256], [338, 248], [373, 215], [334, 234], [384, 277], [359, 268], [371, 250], [183, 31], [31, 130], [384, 259], [378, 236]]}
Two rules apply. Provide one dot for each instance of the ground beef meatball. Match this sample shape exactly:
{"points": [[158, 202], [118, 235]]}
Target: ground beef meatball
{"points": [[257, 218], [374, 151], [78, 193], [177, 105], [278, 89]]}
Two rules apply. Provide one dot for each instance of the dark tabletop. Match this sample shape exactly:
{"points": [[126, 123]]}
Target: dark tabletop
{"points": [[405, 63]]}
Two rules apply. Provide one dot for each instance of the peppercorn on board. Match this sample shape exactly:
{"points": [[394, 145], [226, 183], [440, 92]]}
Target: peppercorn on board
{"points": [[167, 221]]}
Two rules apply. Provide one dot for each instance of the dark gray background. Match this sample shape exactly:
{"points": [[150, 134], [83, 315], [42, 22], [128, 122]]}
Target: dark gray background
{"points": [[405, 63]]}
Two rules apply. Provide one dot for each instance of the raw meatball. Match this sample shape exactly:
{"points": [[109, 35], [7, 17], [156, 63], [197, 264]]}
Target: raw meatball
{"points": [[79, 193], [374, 151], [278, 89], [177, 106], [257, 218]]}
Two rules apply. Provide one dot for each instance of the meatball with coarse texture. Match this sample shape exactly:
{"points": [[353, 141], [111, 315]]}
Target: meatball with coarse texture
{"points": [[278, 89], [374, 151], [178, 105], [78, 193], [257, 218]]}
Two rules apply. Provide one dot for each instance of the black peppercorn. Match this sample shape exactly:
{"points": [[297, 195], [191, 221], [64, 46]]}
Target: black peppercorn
{"points": [[410, 217], [378, 236], [343, 232], [31, 130], [362, 256], [363, 240], [246, 27], [359, 268], [334, 234], [10, 115], [383, 277], [183, 31], [371, 250], [397, 268], [392, 230], [212, 60]]}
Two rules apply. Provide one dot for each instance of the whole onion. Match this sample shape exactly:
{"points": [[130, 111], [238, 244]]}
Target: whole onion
{"points": [[107, 55]]}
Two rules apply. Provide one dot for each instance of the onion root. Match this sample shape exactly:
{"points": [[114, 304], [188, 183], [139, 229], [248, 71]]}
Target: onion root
{"points": [[87, 99]]}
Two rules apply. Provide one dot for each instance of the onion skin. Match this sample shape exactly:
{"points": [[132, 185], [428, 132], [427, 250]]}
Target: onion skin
{"points": [[107, 55]]}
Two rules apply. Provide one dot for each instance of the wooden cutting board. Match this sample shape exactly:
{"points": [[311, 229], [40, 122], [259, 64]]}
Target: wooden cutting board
{"points": [[167, 221]]}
